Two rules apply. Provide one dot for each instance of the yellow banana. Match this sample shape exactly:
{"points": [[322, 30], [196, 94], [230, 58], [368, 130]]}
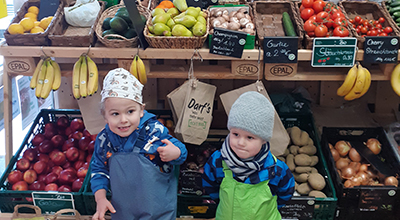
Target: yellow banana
{"points": [[358, 85], [40, 79], [93, 81], [349, 81], [75, 78], [48, 81], [57, 75], [395, 79], [141, 70], [367, 82], [33, 82], [133, 68], [83, 78]]}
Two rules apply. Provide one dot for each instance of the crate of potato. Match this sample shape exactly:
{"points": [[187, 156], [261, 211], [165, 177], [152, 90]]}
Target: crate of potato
{"points": [[354, 157], [305, 159]]}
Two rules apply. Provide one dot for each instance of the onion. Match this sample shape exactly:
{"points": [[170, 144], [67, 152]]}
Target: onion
{"points": [[330, 146], [355, 166], [354, 155], [356, 181], [371, 174], [391, 181], [364, 177], [342, 163], [348, 172], [374, 145], [342, 147], [335, 154], [364, 167], [348, 184]]}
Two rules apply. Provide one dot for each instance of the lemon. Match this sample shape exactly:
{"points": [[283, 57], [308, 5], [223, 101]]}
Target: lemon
{"points": [[36, 23], [15, 28], [31, 15], [27, 23], [34, 10], [37, 29], [44, 23]]}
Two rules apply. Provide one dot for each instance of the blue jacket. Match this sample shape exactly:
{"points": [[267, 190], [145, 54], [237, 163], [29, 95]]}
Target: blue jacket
{"points": [[281, 179], [103, 150]]}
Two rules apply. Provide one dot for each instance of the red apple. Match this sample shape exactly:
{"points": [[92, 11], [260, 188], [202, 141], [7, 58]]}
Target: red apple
{"points": [[61, 131], [30, 176], [20, 186], [37, 186], [86, 164], [58, 158], [70, 142], [50, 133], [23, 164], [43, 157], [50, 164], [37, 139], [77, 125], [68, 131], [86, 133], [66, 165], [94, 136], [78, 164], [66, 177], [40, 167], [45, 147], [77, 184], [14, 176], [90, 147], [77, 135], [84, 143], [64, 188], [62, 122], [52, 153], [57, 141], [51, 187], [51, 178], [89, 158], [71, 169], [41, 177], [50, 126], [57, 170], [81, 173], [72, 154], [82, 155], [30, 154]]}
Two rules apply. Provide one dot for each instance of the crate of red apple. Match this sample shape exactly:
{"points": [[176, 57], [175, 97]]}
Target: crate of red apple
{"points": [[54, 156]]}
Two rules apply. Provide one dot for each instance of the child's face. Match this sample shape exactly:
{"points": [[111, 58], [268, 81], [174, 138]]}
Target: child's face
{"points": [[122, 115], [244, 144]]}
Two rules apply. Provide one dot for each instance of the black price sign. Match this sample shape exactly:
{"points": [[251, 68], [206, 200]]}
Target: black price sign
{"points": [[50, 202], [379, 199], [280, 49], [48, 8], [381, 49], [201, 3], [298, 208], [334, 52], [228, 43]]}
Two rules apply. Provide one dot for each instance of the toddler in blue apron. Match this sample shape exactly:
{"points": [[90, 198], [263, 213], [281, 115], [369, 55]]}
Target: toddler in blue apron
{"points": [[134, 156], [248, 181]]}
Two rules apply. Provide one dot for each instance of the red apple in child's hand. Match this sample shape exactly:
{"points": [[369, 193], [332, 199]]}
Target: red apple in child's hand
{"points": [[23, 164], [77, 184], [57, 141], [51, 187], [62, 122], [37, 139], [58, 158], [77, 125], [30, 176], [30, 154], [66, 177], [14, 176], [40, 167], [20, 186], [37, 186], [81, 173], [72, 154], [51, 178], [45, 147], [64, 188]]}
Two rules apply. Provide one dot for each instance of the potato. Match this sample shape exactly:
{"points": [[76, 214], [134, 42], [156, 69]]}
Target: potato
{"points": [[286, 152], [302, 169], [316, 181], [308, 149], [313, 170], [294, 149], [299, 137], [314, 160], [290, 162], [300, 177], [317, 194], [302, 160], [304, 189], [310, 141]]}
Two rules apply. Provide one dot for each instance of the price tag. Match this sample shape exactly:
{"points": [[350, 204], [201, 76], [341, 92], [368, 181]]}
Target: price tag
{"points": [[334, 52], [51, 202], [48, 8], [298, 208], [381, 49], [280, 49], [201, 3], [379, 199], [228, 43]]}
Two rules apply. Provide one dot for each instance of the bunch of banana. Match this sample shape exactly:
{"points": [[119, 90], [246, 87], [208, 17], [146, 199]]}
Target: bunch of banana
{"points": [[85, 77], [46, 77], [356, 83], [138, 69], [395, 79]]}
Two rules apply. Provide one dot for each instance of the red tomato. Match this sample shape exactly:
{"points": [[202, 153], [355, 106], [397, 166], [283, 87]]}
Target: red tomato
{"points": [[388, 30], [307, 3], [365, 23], [351, 21], [373, 33], [322, 16], [340, 32], [358, 30], [340, 21], [364, 30], [337, 15], [301, 8], [318, 6], [306, 13], [321, 30], [329, 23], [313, 17], [378, 26], [382, 34], [311, 34], [357, 19], [309, 25], [381, 20]]}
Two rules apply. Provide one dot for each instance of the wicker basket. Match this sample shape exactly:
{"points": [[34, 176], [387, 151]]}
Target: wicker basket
{"points": [[70, 36], [367, 10], [268, 19], [38, 39], [120, 41], [387, 13], [173, 41]]}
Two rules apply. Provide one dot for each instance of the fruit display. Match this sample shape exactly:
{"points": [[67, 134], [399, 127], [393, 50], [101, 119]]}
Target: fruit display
{"points": [[395, 79], [365, 27], [46, 77], [29, 24], [232, 18], [138, 69], [85, 77], [356, 83]]}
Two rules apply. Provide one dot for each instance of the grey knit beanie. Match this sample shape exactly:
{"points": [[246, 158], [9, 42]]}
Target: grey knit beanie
{"points": [[254, 113]]}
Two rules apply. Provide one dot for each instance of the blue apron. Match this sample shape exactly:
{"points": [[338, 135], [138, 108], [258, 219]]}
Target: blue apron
{"points": [[139, 189]]}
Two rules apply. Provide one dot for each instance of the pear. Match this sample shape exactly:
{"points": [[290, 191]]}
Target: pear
{"points": [[193, 11], [159, 28], [167, 33], [202, 20], [187, 20], [199, 29], [151, 28], [181, 31], [157, 11], [170, 23], [161, 18], [181, 5], [173, 12]]}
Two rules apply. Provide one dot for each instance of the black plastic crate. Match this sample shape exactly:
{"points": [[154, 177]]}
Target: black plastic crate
{"points": [[366, 202], [9, 198]]}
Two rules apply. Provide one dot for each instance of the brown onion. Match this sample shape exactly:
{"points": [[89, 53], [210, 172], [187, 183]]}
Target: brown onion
{"points": [[355, 166], [342, 147], [330, 146], [391, 181], [356, 181], [374, 145], [354, 155], [364, 167], [335, 154], [342, 163], [364, 177], [348, 172], [348, 184]]}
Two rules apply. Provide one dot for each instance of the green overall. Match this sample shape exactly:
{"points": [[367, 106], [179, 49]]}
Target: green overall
{"points": [[243, 201]]}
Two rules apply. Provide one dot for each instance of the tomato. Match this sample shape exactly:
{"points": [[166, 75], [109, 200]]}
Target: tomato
{"points": [[357, 19], [337, 15], [376, 22], [306, 13], [388, 30], [378, 26], [365, 23], [372, 33], [329, 23], [309, 25], [322, 16], [318, 6], [381, 20], [351, 21], [313, 17], [311, 34], [364, 30], [301, 8], [321, 30], [340, 31], [340, 22], [382, 34], [307, 3], [358, 30]]}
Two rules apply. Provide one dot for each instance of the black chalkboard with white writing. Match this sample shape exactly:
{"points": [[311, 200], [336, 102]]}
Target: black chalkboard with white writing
{"points": [[228, 43], [280, 49], [201, 3], [381, 49], [298, 208]]}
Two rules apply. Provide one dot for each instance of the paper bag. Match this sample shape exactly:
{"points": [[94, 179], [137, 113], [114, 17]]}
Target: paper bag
{"points": [[176, 98], [196, 114], [280, 138], [27, 216]]}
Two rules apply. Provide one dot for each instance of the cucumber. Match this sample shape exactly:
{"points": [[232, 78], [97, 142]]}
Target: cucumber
{"points": [[396, 14], [394, 9], [288, 25], [395, 4], [397, 20]]}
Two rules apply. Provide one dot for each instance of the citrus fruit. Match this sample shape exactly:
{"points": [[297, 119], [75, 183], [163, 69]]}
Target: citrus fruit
{"points": [[44, 23], [15, 28], [36, 23], [27, 23], [31, 15], [37, 29], [33, 9]]}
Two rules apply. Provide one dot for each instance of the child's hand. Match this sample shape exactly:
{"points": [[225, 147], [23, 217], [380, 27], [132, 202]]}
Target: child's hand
{"points": [[169, 151], [102, 206]]}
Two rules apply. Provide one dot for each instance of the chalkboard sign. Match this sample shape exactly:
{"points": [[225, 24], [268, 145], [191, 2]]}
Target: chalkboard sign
{"points": [[51, 202], [298, 208], [381, 49], [280, 49], [137, 22], [201, 3], [228, 43], [379, 199], [334, 52], [48, 8]]}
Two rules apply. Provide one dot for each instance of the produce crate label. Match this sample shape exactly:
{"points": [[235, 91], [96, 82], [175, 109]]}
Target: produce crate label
{"points": [[334, 52], [298, 208], [280, 49], [228, 43], [381, 49], [377, 199], [51, 202]]}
